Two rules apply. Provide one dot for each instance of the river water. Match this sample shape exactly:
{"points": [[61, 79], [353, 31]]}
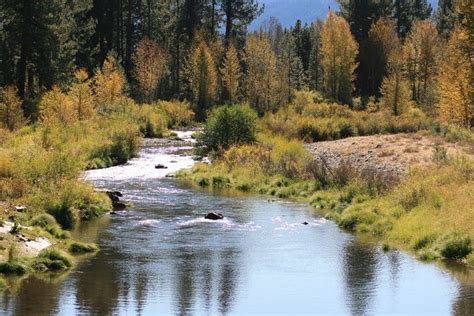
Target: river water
{"points": [[162, 257]]}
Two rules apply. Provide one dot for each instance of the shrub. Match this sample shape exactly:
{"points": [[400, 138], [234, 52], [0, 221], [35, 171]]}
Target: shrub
{"points": [[178, 113], [52, 259], [43, 221], [3, 285], [12, 267], [125, 144], [152, 123], [227, 126], [77, 248], [440, 154], [456, 247]]}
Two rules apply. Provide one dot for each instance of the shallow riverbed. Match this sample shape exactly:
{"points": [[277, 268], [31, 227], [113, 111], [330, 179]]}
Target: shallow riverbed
{"points": [[162, 257]]}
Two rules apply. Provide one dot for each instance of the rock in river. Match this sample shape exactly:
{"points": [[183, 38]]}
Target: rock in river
{"points": [[160, 166], [214, 216]]}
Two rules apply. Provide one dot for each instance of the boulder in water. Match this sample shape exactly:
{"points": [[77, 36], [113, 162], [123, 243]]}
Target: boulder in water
{"points": [[214, 216], [305, 223], [160, 166]]}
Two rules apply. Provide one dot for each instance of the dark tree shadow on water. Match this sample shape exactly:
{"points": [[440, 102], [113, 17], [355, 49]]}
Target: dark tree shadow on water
{"points": [[360, 265]]}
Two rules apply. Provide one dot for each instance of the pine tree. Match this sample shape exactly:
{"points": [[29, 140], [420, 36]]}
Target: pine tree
{"points": [[395, 89], [446, 17], [421, 51], [150, 66], [11, 113], [339, 50], [81, 95], [201, 76], [261, 79], [315, 71], [230, 73], [406, 12], [238, 14], [382, 41], [456, 92]]}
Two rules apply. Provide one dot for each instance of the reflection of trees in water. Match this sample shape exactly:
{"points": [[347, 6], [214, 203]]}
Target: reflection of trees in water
{"points": [[35, 296], [229, 276], [99, 287], [200, 273], [360, 264], [464, 304]]}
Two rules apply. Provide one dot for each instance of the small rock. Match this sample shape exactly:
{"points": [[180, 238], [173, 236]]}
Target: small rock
{"points": [[20, 208], [113, 213], [214, 216], [119, 205], [160, 166], [305, 223]]}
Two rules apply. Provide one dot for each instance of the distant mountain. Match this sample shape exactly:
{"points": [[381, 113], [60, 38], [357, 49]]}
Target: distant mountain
{"points": [[288, 11]]}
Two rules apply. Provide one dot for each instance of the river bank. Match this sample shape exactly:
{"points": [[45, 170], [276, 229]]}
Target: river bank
{"points": [[161, 254], [412, 192]]}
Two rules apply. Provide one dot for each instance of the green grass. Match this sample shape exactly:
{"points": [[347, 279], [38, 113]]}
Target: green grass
{"points": [[80, 248], [52, 260]]}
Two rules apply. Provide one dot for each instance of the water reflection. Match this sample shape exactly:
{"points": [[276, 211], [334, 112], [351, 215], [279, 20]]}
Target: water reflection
{"points": [[260, 260], [360, 266]]}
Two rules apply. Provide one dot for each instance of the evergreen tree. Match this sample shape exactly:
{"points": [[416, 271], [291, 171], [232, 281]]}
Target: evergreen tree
{"points": [[238, 14], [315, 71], [230, 72], [339, 50], [446, 17], [406, 12], [382, 41]]}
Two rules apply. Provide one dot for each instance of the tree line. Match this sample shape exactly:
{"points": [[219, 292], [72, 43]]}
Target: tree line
{"points": [[371, 54]]}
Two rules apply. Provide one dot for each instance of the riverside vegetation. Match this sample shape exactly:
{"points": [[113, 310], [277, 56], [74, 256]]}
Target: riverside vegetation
{"points": [[91, 124], [389, 70], [428, 211]]}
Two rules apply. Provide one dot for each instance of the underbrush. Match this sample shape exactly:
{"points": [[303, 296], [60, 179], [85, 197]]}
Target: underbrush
{"points": [[80, 248], [310, 121], [52, 260]]}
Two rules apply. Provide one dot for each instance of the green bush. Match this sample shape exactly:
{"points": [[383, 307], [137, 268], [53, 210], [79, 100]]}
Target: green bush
{"points": [[227, 126], [52, 259], [3, 285], [12, 267], [456, 247], [78, 248]]}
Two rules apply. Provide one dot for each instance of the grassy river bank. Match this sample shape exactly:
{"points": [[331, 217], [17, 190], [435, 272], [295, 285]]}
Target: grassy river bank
{"points": [[425, 208]]}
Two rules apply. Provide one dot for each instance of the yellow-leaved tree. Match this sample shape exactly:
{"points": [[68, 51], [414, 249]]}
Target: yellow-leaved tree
{"points": [[230, 73], [57, 107], [339, 50], [421, 50], [261, 82], [81, 95], [151, 64], [201, 75], [11, 113], [395, 88], [455, 89], [109, 85]]}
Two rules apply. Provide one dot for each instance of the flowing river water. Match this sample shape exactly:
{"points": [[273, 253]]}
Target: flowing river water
{"points": [[162, 257]]}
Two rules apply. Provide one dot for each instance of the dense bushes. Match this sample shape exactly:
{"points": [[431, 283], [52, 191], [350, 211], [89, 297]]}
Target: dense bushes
{"points": [[227, 126], [309, 121]]}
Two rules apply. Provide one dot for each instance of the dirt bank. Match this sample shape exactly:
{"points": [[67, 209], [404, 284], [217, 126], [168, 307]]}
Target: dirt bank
{"points": [[385, 153]]}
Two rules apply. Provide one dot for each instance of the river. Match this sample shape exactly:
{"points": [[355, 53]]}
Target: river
{"points": [[162, 257]]}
